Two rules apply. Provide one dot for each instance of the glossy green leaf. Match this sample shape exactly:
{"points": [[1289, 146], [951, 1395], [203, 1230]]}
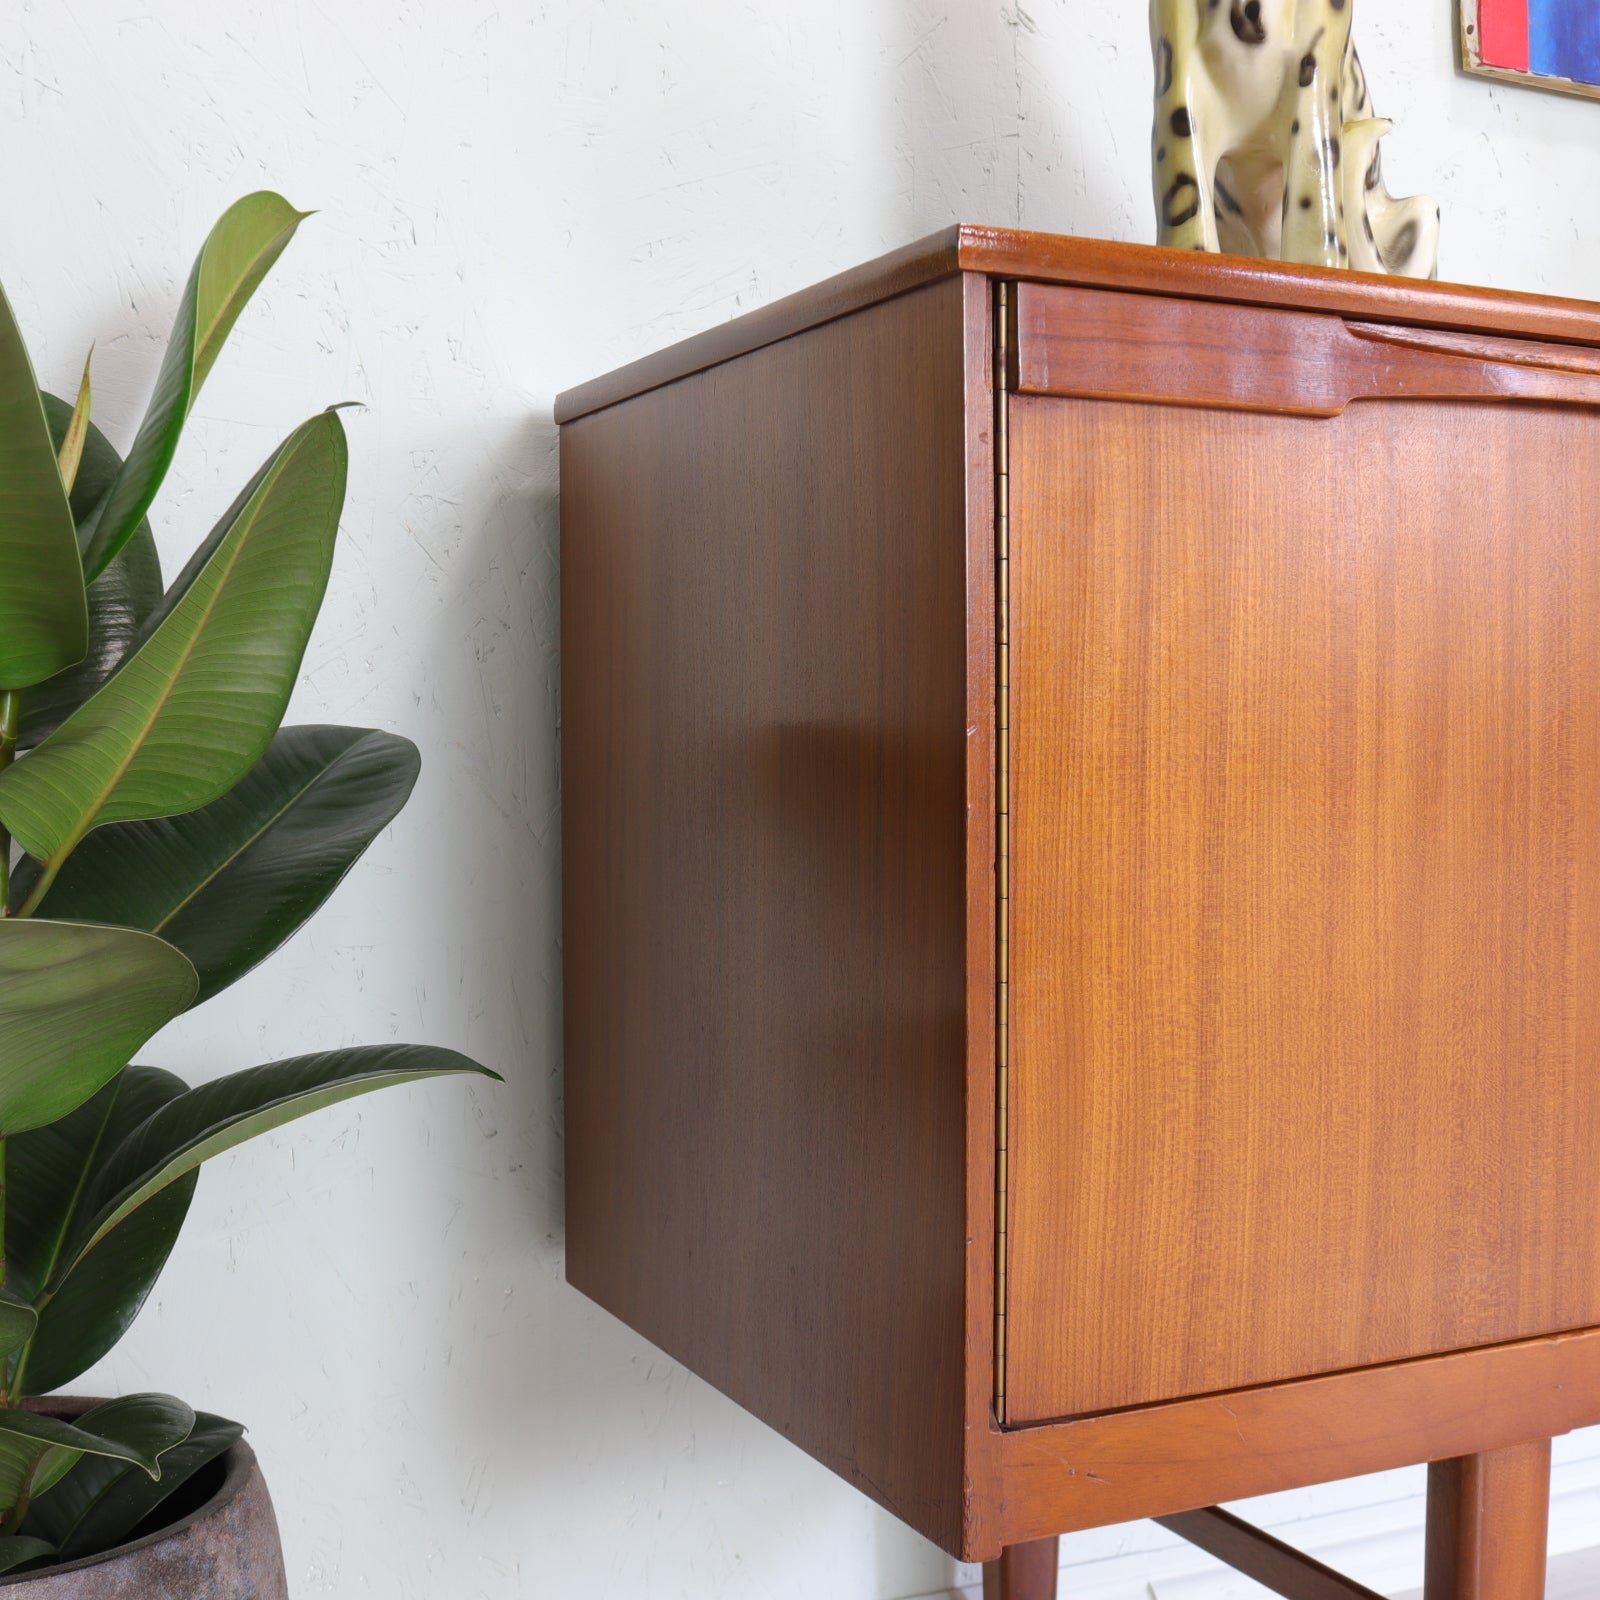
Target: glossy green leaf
{"points": [[194, 708], [37, 1451], [239, 252], [76, 1001], [229, 883], [219, 1115], [20, 1550], [44, 623], [97, 470], [50, 1170], [99, 1299], [69, 452], [197, 563], [120, 599], [137, 1428], [101, 1502], [18, 1319]]}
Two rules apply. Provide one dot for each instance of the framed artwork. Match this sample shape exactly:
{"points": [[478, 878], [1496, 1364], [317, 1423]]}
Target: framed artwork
{"points": [[1545, 44]]}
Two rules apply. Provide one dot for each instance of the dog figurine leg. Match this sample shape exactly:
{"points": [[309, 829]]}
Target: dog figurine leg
{"points": [[1313, 191], [1184, 168]]}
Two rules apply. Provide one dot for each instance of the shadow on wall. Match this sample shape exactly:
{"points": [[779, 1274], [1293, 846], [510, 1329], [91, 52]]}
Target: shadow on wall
{"points": [[490, 667], [577, 1413], [573, 1416], [501, 692]]}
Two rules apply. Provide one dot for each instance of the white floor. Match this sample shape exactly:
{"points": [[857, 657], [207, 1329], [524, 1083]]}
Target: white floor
{"points": [[1572, 1577]]}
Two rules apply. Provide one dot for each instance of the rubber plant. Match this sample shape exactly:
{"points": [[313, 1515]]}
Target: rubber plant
{"points": [[160, 834]]}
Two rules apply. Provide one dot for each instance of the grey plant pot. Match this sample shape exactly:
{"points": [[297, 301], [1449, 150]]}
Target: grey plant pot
{"points": [[227, 1549]]}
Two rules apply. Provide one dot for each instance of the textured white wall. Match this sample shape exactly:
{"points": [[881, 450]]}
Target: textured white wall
{"points": [[516, 195]]}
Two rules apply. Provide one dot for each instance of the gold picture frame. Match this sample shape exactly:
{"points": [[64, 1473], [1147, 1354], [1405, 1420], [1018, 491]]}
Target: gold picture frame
{"points": [[1469, 33]]}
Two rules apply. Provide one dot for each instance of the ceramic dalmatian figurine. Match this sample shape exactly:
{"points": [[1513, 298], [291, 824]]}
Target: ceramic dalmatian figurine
{"points": [[1265, 143]]}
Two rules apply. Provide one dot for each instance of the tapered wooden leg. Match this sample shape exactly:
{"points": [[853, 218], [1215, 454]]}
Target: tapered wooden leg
{"points": [[1488, 1519], [1023, 1572]]}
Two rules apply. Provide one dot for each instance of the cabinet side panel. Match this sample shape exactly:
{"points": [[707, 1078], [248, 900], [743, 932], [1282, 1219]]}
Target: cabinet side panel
{"points": [[763, 620]]}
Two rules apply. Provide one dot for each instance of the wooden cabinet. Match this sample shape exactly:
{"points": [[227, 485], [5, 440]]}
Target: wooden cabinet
{"points": [[1081, 781]]}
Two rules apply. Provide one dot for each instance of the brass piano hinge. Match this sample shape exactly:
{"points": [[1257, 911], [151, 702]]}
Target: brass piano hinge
{"points": [[1002, 545]]}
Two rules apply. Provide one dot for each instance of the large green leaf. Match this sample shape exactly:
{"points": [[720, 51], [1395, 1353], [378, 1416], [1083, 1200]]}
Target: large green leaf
{"points": [[239, 252], [18, 1319], [20, 1550], [101, 1502], [197, 563], [194, 708], [76, 1001], [99, 1299], [44, 623], [219, 1115], [49, 1172], [120, 599], [37, 1451], [229, 883]]}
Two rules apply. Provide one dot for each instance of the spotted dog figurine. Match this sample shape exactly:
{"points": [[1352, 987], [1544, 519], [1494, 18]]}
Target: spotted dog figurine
{"points": [[1265, 143]]}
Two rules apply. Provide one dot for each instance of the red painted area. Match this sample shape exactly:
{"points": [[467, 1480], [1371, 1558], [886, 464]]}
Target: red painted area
{"points": [[1503, 33]]}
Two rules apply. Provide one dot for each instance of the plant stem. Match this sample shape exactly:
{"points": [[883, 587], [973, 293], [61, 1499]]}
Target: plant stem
{"points": [[24, 1498], [47, 876], [9, 1385], [10, 708]]}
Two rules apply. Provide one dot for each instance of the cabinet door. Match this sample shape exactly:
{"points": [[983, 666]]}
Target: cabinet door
{"points": [[1305, 890]]}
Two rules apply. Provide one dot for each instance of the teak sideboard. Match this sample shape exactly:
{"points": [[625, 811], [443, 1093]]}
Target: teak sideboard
{"points": [[1081, 782]]}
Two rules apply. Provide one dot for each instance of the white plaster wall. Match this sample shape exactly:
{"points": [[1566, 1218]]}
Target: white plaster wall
{"points": [[515, 195]]}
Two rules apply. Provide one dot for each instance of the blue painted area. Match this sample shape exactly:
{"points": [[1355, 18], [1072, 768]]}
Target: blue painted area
{"points": [[1564, 39]]}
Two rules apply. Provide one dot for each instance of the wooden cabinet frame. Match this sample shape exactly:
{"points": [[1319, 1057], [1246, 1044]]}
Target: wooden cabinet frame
{"points": [[785, 778]]}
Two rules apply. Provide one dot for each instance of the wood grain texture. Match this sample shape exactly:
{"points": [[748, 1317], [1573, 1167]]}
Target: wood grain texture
{"points": [[1306, 771], [1097, 263], [1024, 1572], [1156, 1460], [979, 864], [1488, 1524], [764, 595], [1160, 350], [1272, 1563], [1240, 280], [1305, 949], [914, 266]]}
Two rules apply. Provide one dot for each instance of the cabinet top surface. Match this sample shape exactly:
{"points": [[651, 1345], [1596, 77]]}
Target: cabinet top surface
{"points": [[1098, 263]]}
